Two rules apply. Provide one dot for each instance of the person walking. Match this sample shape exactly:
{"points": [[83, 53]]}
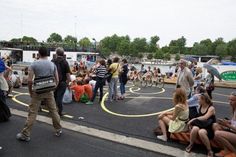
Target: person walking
{"points": [[64, 78], [185, 78], [38, 69]]}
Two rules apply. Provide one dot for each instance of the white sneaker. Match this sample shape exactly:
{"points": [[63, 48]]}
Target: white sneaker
{"points": [[162, 137]]}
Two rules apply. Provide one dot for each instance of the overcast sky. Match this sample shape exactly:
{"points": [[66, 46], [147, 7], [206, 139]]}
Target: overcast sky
{"points": [[169, 19]]}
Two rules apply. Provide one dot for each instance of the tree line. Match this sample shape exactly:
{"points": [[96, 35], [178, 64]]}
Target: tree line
{"points": [[124, 46]]}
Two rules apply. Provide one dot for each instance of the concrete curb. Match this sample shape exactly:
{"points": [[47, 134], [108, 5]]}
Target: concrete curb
{"points": [[134, 142]]}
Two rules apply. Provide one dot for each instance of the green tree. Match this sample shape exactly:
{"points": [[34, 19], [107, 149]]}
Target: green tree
{"points": [[104, 46], [208, 46], [70, 41], [140, 44], [16, 40], [217, 42], [54, 37], [29, 40], [177, 57], [232, 49], [124, 47], [159, 54], [167, 56], [85, 43], [221, 50], [150, 56], [177, 46], [199, 49], [152, 47]]}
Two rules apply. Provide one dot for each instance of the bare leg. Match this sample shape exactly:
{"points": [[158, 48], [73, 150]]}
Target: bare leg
{"points": [[205, 140], [226, 139], [193, 136], [163, 122]]}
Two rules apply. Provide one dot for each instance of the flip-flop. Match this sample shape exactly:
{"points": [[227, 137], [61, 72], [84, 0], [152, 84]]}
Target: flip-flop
{"points": [[189, 148]]}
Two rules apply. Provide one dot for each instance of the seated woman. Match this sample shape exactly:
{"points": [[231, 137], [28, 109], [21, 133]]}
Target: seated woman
{"points": [[175, 120], [148, 74], [225, 131], [202, 125]]}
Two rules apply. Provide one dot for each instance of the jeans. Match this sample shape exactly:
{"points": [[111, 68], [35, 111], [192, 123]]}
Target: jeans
{"points": [[33, 111], [58, 95], [113, 88], [99, 84], [122, 88]]}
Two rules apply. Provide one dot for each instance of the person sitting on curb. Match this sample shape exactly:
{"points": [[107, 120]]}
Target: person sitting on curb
{"points": [[225, 131], [202, 124], [175, 120]]}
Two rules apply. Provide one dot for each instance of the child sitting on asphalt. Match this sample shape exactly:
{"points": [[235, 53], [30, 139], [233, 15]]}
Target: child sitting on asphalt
{"points": [[78, 89], [88, 88]]}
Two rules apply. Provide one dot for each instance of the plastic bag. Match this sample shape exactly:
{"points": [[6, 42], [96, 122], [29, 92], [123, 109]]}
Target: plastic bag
{"points": [[67, 98]]}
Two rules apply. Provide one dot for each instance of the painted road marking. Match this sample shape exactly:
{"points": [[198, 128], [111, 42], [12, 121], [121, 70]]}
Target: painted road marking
{"points": [[152, 93], [14, 98], [128, 116]]}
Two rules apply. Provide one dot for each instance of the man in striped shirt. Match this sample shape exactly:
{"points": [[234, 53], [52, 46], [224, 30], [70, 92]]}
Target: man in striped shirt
{"points": [[100, 74]]}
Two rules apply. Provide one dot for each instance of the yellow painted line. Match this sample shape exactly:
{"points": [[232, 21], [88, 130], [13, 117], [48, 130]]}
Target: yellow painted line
{"points": [[134, 92], [128, 116], [24, 104], [20, 102]]}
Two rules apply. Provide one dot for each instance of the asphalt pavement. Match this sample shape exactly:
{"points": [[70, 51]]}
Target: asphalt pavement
{"points": [[71, 144], [135, 117]]}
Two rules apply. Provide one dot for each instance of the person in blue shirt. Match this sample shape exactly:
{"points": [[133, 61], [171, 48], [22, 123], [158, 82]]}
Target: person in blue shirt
{"points": [[193, 102]]}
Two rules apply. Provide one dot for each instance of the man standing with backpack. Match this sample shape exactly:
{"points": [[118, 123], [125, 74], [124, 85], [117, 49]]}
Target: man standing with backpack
{"points": [[64, 78]]}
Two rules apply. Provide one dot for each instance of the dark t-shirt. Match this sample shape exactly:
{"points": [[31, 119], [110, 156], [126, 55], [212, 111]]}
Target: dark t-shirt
{"points": [[62, 68]]}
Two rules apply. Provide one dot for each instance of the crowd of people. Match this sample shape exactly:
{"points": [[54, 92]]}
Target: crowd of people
{"points": [[194, 112], [192, 98]]}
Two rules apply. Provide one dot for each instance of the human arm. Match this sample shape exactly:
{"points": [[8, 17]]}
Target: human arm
{"points": [[30, 81], [210, 112], [176, 111]]}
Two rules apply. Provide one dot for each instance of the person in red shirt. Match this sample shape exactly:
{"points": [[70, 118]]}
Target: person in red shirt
{"points": [[78, 89], [88, 89]]}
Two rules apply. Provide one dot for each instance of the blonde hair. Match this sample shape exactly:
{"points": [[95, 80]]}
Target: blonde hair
{"points": [[199, 70], [179, 96]]}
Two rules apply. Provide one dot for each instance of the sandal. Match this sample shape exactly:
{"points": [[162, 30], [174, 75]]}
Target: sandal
{"points": [[222, 153], [189, 148], [210, 153]]}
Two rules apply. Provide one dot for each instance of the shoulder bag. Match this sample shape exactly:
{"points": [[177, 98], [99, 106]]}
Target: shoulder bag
{"points": [[44, 84]]}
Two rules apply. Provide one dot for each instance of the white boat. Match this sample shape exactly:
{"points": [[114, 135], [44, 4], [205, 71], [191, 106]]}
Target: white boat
{"points": [[226, 69], [25, 56]]}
